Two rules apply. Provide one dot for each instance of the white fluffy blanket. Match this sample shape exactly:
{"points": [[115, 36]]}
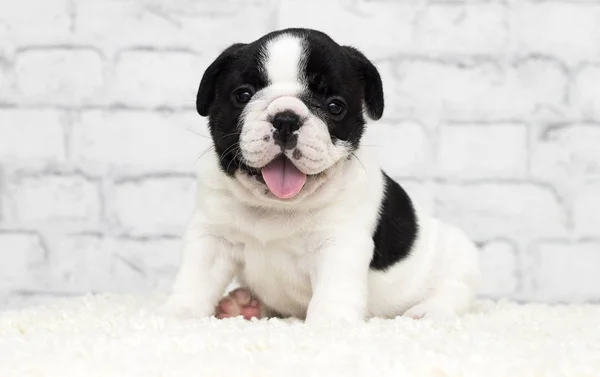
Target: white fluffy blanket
{"points": [[121, 336]]}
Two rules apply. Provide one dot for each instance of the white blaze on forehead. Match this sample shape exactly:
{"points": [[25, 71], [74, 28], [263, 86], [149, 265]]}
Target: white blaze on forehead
{"points": [[284, 60]]}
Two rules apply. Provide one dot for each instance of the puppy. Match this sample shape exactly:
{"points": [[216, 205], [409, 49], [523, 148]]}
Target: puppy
{"points": [[295, 209]]}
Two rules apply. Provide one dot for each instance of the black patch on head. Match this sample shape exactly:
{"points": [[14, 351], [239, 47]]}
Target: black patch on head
{"points": [[396, 229], [342, 74], [207, 91], [297, 154], [237, 66]]}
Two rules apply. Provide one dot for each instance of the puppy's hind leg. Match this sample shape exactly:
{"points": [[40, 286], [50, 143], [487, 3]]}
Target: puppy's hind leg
{"points": [[450, 299], [454, 278]]}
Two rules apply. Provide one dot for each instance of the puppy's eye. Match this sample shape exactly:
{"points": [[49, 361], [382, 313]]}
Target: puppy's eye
{"points": [[335, 107], [243, 95]]}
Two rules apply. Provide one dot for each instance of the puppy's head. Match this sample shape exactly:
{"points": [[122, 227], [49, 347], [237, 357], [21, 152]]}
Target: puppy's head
{"points": [[285, 109]]}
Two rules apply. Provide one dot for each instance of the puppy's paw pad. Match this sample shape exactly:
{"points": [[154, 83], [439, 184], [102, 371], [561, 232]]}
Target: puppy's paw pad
{"points": [[429, 311], [239, 302]]}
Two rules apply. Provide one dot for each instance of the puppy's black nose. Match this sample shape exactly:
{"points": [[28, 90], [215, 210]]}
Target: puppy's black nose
{"points": [[285, 124]]}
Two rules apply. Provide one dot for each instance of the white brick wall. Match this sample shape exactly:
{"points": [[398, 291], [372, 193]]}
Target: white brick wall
{"points": [[59, 76], [492, 123], [31, 136], [159, 205]]}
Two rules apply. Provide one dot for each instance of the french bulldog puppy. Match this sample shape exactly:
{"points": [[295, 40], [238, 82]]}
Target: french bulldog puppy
{"points": [[293, 207]]}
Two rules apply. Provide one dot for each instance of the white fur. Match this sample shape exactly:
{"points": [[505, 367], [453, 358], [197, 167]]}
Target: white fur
{"points": [[309, 256], [284, 59]]}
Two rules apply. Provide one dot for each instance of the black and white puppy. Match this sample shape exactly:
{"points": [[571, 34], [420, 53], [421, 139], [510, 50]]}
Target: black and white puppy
{"points": [[292, 206]]}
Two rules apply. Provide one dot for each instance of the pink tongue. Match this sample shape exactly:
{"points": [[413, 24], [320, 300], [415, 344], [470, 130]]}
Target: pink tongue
{"points": [[283, 178]]}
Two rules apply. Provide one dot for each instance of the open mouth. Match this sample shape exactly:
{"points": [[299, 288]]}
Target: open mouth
{"points": [[283, 178]]}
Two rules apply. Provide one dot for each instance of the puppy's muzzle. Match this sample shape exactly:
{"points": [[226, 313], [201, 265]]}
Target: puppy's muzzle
{"points": [[286, 123]]}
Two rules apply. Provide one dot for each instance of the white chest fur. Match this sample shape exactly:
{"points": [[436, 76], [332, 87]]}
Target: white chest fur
{"points": [[274, 252], [279, 274]]}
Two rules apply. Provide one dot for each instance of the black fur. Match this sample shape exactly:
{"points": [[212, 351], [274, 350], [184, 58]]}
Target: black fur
{"points": [[333, 72], [339, 72], [238, 65], [371, 82], [396, 229]]}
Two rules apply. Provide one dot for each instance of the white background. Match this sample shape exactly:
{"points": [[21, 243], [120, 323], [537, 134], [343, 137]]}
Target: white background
{"points": [[492, 122]]}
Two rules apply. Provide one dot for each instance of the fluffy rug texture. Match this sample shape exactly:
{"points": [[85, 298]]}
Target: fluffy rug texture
{"points": [[122, 336]]}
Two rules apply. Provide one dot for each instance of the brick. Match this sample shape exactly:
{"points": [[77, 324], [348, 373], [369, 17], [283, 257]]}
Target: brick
{"points": [[586, 96], [53, 198], [499, 266], [402, 148], [475, 91], [21, 255], [568, 153], [586, 210], [453, 28], [59, 76], [115, 24], [80, 264], [132, 142], [483, 150], [149, 78], [567, 30], [509, 210], [567, 272], [31, 136], [144, 265], [153, 206], [34, 22], [351, 21]]}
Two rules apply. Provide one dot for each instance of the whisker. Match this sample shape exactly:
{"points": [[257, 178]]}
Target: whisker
{"points": [[197, 133], [360, 162], [237, 153], [229, 149], [227, 135], [203, 153]]}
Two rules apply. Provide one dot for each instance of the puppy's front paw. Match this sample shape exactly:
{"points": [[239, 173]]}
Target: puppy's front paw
{"points": [[185, 307], [430, 310]]}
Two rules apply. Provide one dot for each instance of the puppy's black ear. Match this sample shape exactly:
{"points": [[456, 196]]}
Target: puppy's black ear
{"points": [[207, 92], [371, 80]]}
